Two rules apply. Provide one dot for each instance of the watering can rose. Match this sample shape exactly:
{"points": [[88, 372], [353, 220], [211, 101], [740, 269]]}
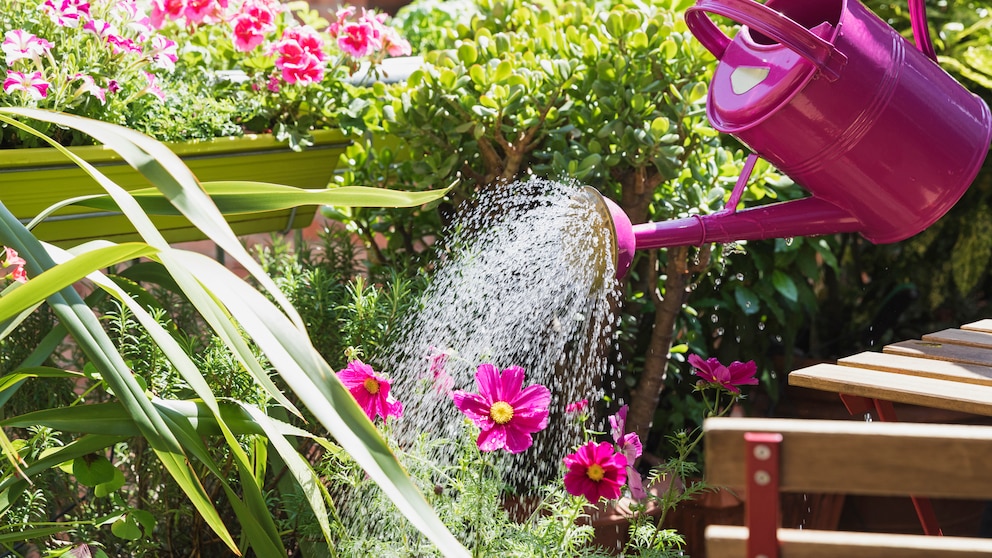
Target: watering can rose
{"points": [[506, 414]]}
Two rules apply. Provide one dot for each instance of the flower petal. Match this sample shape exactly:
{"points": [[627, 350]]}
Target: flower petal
{"points": [[492, 439]]}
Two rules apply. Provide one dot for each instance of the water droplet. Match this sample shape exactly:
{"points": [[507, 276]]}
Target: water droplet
{"points": [[714, 318], [761, 326], [789, 241], [740, 276]]}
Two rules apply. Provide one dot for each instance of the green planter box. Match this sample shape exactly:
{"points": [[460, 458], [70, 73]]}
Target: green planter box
{"points": [[33, 179]]}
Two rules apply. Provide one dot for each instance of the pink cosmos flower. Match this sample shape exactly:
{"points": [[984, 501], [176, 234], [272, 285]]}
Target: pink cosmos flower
{"points": [[506, 414], [34, 85], [727, 377], [11, 259], [437, 375], [19, 44], [629, 445], [595, 471], [577, 407], [370, 390]]}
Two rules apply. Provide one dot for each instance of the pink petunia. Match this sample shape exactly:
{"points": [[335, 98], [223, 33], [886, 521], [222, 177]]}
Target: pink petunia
{"points": [[164, 53], [163, 11], [727, 377], [252, 24], [133, 18], [273, 83], [595, 471], [66, 13], [341, 17], [34, 85], [204, 11], [100, 28], [89, 86], [120, 44], [370, 390], [506, 414], [19, 44], [300, 55], [394, 44], [248, 33], [12, 259], [358, 38], [152, 88]]}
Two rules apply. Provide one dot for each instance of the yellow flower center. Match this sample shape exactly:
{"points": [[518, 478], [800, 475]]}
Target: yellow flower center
{"points": [[371, 385], [595, 472], [501, 412]]}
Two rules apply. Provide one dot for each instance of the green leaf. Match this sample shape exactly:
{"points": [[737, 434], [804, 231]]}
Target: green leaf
{"points": [[785, 285], [468, 54], [127, 528], [106, 488], [92, 470], [748, 302], [241, 197], [504, 70]]}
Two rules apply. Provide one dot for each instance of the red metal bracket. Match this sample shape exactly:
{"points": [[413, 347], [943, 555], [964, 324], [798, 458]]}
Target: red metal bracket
{"points": [[886, 412], [856, 404], [762, 507]]}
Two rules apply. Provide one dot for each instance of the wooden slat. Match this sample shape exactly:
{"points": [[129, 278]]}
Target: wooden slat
{"points": [[929, 368], [941, 351], [899, 388], [961, 337], [730, 541], [981, 325], [854, 457]]}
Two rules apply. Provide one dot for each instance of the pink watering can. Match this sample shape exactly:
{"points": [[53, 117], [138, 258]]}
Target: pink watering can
{"points": [[882, 138]]}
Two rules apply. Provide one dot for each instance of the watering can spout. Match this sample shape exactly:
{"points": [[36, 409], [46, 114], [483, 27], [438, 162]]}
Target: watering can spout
{"points": [[804, 217]]}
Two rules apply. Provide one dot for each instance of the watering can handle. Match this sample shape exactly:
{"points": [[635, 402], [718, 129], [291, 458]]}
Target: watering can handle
{"points": [[761, 18]]}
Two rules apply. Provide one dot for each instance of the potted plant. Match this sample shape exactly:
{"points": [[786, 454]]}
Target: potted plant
{"points": [[237, 89]]}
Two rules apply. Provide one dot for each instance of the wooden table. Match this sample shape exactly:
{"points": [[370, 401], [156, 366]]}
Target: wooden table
{"points": [[949, 369]]}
